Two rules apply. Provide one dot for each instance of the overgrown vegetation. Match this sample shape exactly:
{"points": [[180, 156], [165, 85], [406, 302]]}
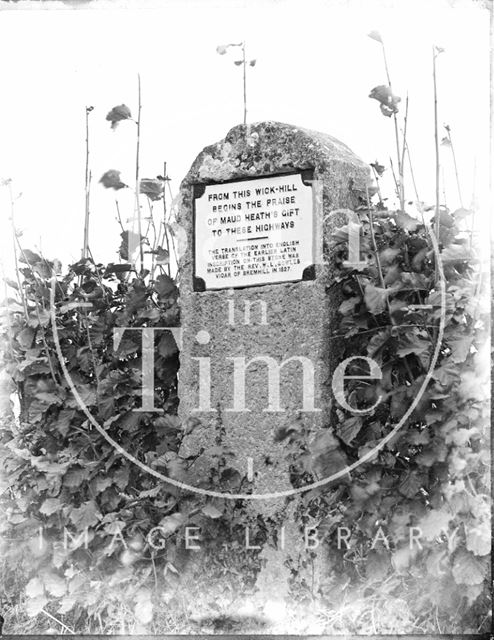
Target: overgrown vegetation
{"points": [[66, 479]]}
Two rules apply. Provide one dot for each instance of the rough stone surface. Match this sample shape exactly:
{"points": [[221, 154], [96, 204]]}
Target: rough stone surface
{"points": [[299, 316]]}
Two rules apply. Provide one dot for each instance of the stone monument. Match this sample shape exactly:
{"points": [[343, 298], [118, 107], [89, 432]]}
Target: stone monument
{"points": [[256, 304]]}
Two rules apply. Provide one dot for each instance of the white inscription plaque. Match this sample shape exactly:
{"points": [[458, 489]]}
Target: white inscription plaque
{"points": [[254, 232]]}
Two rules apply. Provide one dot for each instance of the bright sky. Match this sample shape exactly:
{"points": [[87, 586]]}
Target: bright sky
{"points": [[315, 68]]}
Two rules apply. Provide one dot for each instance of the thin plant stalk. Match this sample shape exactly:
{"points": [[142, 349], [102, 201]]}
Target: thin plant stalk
{"points": [[443, 181], [137, 203], [401, 194], [155, 244], [165, 230], [473, 206], [244, 65], [87, 184], [119, 217], [448, 130], [397, 186], [379, 195], [412, 174], [16, 260], [403, 146], [99, 278], [10, 338], [373, 239], [436, 141], [175, 253]]}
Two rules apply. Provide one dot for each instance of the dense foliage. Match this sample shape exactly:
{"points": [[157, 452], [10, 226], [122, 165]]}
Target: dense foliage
{"points": [[65, 477], [434, 472]]}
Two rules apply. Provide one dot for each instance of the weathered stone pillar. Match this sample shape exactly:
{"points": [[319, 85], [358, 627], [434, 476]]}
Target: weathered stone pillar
{"points": [[279, 321], [254, 288]]}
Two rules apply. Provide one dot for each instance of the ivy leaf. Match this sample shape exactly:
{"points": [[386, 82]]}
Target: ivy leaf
{"points": [[445, 219], [392, 274], [167, 346], [405, 221], [115, 527], [25, 337], [100, 484], [29, 257], [446, 373], [111, 180], [171, 523], [176, 469], [64, 420], [152, 188], [460, 347], [472, 592], [455, 253], [388, 255], [44, 465], [121, 477], [467, 569], [11, 283], [416, 437], [377, 343], [87, 515], [162, 255], [87, 394], [211, 511], [143, 609], [127, 238], [461, 437], [54, 584], [328, 462], [411, 483], [375, 35], [117, 114], [378, 168], [469, 386], [387, 101], [50, 505], [67, 604], [75, 476], [349, 429], [377, 565], [347, 306], [126, 347], [434, 523], [461, 214], [230, 478], [34, 588], [478, 539], [411, 343], [117, 268], [375, 299], [164, 286], [34, 606], [324, 442], [402, 557], [48, 398]]}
